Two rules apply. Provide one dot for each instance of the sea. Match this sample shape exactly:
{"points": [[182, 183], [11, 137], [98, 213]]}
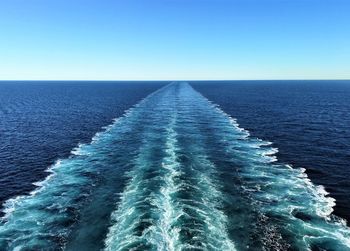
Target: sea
{"points": [[183, 165]]}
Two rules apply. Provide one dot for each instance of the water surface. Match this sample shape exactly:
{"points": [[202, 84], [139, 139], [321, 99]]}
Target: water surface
{"points": [[174, 173]]}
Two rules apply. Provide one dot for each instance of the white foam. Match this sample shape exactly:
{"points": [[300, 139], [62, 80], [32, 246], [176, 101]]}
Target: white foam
{"points": [[289, 166], [78, 150]]}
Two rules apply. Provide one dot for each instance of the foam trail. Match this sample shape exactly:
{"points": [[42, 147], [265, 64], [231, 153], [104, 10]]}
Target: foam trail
{"points": [[204, 224], [152, 215], [171, 211], [144, 213], [157, 231]]}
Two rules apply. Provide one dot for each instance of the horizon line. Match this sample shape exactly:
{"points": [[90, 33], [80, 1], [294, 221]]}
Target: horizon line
{"points": [[163, 80]]}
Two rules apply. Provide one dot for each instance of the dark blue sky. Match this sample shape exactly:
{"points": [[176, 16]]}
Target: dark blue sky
{"points": [[174, 39]]}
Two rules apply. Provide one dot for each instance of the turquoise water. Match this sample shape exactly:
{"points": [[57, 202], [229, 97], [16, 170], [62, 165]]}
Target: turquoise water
{"points": [[174, 173]]}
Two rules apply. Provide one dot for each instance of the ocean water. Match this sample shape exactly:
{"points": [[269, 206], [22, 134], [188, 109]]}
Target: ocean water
{"points": [[174, 172]]}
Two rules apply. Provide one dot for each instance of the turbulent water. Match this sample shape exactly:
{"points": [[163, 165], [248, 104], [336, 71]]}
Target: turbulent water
{"points": [[174, 173]]}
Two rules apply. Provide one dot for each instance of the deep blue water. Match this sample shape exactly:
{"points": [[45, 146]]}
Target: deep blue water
{"points": [[175, 172]]}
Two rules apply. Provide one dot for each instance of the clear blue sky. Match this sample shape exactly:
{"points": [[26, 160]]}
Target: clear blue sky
{"points": [[174, 39]]}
